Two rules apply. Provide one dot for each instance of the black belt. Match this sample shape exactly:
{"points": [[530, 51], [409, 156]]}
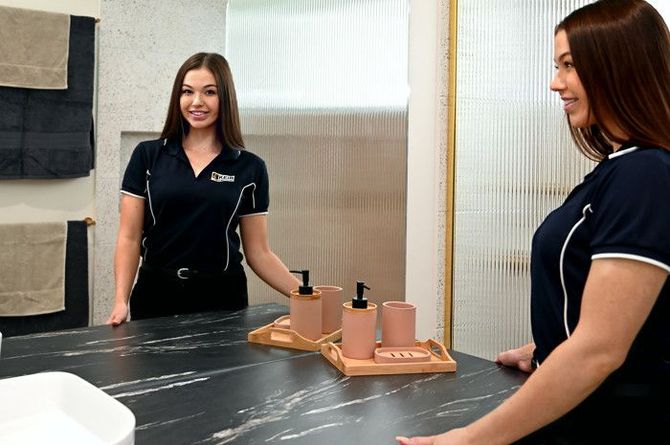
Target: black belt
{"points": [[183, 273]]}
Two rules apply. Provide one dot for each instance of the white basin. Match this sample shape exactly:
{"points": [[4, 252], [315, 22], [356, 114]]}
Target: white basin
{"points": [[61, 408]]}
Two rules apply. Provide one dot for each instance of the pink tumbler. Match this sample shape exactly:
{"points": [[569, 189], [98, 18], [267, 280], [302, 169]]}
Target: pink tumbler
{"points": [[331, 308], [398, 324]]}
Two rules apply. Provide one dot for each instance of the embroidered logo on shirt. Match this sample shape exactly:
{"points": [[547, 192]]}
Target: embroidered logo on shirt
{"points": [[218, 177]]}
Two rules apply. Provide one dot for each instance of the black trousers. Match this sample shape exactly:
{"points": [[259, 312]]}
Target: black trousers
{"points": [[161, 293]]}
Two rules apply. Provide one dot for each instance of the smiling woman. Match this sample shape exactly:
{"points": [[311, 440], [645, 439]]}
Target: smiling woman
{"points": [[183, 198], [567, 84], [199, 100], [199, 103], [600, 294]]}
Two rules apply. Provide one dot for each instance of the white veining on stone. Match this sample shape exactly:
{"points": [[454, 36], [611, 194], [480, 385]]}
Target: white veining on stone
{"points": [[149, 425], [150, 379], [276, 408], [159, 388], [472, 399], [183, 346], [439, 411], [480, 373], [181, 337], [310, 431], [271, 438], [372, 397], [92, 351], [52, 334], [342, 405], [112, 340]]}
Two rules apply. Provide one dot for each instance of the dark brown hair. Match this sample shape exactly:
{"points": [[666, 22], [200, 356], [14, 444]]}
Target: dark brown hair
{"points": [[228, 125], [621, 51]]}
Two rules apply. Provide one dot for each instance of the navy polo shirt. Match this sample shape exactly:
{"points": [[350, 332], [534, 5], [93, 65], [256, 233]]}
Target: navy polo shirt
{"points": [[191, 221], [620, 210]]}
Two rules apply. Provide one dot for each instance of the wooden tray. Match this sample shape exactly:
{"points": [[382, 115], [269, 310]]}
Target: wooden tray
{"points": [[441, 362], [287, 338]]}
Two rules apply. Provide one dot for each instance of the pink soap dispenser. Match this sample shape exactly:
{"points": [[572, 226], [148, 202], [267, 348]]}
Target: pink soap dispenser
{"points": [[359, 326], [305, 309]]}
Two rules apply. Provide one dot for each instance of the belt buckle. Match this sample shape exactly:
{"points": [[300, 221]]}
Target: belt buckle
{"points": [[183, 273]]}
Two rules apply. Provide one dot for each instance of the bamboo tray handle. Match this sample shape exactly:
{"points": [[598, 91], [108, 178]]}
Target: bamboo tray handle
{"points": [[290, 338], [280, 335], [335, 354], [431, 344]]}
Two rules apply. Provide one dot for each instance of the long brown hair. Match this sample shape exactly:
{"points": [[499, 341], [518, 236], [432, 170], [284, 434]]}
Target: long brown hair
{"points": [[228, 125], [621, 51]]}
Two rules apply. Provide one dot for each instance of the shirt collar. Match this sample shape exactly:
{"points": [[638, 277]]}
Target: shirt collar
{"points": [[175, 149], [622, 152]]}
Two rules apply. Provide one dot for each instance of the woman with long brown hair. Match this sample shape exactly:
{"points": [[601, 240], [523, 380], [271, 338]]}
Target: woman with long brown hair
{"points": [[600, 294], [183, 197]]}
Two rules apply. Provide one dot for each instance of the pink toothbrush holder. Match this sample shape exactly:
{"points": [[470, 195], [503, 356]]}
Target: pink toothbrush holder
{"points": [[398, 324], [331, 308]]}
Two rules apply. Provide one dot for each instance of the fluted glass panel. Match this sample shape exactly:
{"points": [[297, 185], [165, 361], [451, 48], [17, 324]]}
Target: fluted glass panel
{"points": [[515, 162], [322, 88]]}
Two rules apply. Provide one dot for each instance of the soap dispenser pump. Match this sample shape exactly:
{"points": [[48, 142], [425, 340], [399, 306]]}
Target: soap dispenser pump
{"points": [[359, 326], [305, 309], [306, 288], [359, 301]]}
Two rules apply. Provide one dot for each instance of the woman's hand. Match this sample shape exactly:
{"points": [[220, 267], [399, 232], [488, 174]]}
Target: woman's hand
{"points": [[423, 440], [458, 436], [520, 358], [429, 440], [119, 314]]}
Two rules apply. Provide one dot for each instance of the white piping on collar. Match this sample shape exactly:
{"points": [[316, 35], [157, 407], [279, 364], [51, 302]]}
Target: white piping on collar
{"points": [[622, 152]]}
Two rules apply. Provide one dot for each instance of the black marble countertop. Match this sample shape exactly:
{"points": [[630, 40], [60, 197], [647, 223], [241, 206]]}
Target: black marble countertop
{"points": [[195, 379]]}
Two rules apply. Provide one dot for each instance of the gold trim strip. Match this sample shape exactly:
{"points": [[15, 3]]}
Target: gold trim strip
{"points": [[451, 177]]}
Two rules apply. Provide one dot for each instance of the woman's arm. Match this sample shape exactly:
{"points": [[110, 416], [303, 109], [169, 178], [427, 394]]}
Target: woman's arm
{"points": [[618, 296], [261, 259], [127, 255]]}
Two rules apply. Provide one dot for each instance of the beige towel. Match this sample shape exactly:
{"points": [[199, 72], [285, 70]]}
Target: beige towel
{"points": [[32, 268], [34, 48]]}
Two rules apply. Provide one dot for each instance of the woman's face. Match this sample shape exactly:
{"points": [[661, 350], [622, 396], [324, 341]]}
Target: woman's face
{"points": [[199, 100], [566, 82]]}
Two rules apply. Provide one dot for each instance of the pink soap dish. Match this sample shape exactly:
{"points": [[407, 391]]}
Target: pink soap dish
{"points": [[401, 355]]}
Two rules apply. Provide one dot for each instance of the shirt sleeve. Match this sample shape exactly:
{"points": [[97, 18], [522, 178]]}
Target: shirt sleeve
{"points": [[135, 177], [256, 196], [631, 211]]}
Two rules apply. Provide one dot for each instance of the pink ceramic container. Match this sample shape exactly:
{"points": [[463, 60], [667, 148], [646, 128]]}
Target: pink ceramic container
{"points": [[331, 308], [306, 314], [398, 324], [359, 331]]}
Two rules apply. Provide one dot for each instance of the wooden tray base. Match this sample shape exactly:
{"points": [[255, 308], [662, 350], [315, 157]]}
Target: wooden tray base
{"points": [[439, 362], [287, 338]]}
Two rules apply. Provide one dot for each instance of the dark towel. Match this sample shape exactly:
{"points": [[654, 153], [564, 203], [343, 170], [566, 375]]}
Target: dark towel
{"points": [[49, 133], [76, 313]]}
